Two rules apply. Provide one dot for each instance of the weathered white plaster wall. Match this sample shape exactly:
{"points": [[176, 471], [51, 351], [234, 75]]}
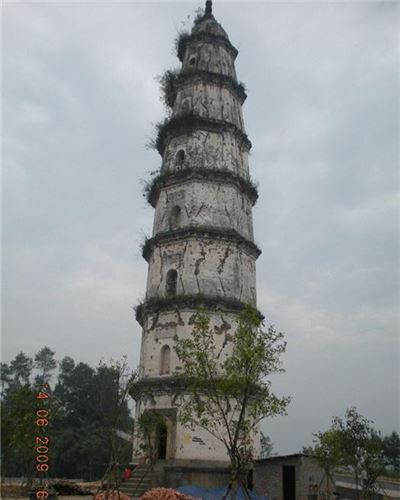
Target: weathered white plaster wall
{"points": [[215, 268], [187, 444], [204, 203], [160, 329], [209, 100], [214, 58], [198, 445], [207, 150]]}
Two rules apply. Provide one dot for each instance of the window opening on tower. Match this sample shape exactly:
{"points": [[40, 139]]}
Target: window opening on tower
{"points": [[172, 280], [165, 360], [175, 217], [180, 158]]}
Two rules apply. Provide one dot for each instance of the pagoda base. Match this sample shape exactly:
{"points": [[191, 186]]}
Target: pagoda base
{"points": [[192, 472]]}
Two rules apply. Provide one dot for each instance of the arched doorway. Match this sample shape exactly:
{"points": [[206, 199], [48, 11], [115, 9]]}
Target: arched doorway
{"points": [[162, 435]]}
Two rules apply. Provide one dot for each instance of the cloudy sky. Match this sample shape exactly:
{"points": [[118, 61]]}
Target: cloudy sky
{"points": [[80, 101]]}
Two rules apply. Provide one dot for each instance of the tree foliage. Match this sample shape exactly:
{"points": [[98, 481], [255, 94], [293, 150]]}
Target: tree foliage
{"points": [[328, 452], [45, 364], [361, 447], [18, 417], [86, 407], [180, 44], [266, 446], [19, 370], [352, 443], [328, 449], [168, 87], [228, 392], [391, 451], [94, 407], [18, 431], [148, 425]]}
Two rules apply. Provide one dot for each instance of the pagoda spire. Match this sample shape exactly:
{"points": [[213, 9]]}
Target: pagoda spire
{"points": [[208, 11]]}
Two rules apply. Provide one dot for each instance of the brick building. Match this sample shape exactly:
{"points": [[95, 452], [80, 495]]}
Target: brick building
{"points": [[288, 477]]}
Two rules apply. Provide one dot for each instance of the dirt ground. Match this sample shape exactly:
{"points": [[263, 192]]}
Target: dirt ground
{"points": [[11, 490]]}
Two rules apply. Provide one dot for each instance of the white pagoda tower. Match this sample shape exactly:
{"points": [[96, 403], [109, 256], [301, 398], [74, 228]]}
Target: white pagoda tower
{"points": [[202, 251]]}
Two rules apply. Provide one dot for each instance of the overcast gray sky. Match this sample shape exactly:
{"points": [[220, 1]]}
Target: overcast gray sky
{"points": [[80, 101]]}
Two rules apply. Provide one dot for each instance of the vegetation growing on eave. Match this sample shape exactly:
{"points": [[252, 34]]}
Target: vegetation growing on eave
{"points": [[158, 179], [157, 140], [168, 87], [157, 304], [242, 86], [199, 16], [180, 44], [238, 88], [188, 122], [170, 80], [226, 234]]}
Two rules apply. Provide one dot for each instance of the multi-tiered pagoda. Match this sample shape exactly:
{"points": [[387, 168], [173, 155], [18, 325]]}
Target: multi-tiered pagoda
{"points": [[202, 251]]}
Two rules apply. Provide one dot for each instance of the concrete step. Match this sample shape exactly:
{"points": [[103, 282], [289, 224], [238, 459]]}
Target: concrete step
{"points": [[139, 483], [135, 492], [137, 488], [135, 479], [136, 484], [137, 476]]}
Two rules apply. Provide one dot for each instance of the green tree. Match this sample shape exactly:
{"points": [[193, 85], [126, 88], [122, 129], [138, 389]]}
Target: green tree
{"points": [[373, 464], [113, 383], [329, 453], [18, 431], [6, 376], [228, 393], [148, 425], [45, 363], [18, 418], [75, 420], [86, 409], [20, 370], [359, 446], [351, 442], [391, 450], [93, 406], [113, 386], [266, 446]]}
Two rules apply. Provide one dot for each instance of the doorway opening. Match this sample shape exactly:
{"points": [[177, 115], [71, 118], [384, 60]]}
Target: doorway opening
{"points": [[162, 435], [289, 482]]}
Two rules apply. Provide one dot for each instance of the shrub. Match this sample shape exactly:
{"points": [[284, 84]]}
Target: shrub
{"points": [[153, 185], [180, 44], [168, 87]]}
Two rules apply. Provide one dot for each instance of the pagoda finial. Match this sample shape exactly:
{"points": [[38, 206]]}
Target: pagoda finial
{"points": [[208, 11]]}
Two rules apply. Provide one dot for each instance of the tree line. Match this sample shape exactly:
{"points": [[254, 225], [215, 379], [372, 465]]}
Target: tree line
{"points": [[87, 406]]}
